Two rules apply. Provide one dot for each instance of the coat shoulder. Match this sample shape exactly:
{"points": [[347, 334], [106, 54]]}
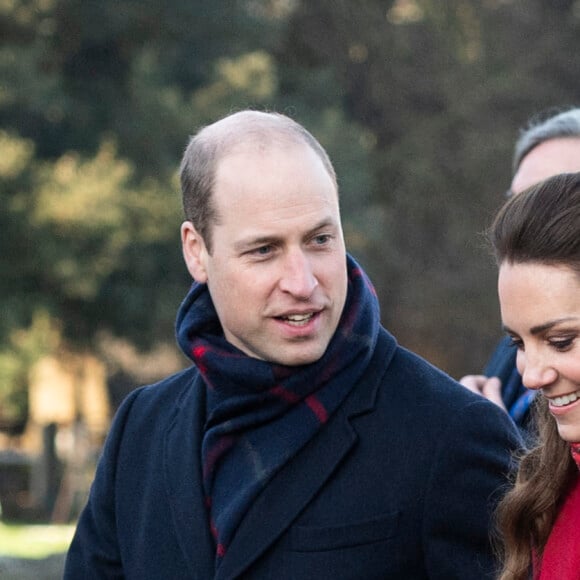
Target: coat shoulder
{"points": [[163, 394], [434, 395], [148, 411]]}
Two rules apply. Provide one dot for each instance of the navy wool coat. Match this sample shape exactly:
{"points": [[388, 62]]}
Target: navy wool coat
{"points": [[399, 484]]}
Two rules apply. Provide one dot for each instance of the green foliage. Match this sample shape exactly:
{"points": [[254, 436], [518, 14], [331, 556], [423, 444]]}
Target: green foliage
{"points": [[88, 213]]}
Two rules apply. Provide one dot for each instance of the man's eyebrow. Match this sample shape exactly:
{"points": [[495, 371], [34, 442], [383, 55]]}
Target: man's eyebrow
{"points": [[325, 223], [543, 327], [252, 242], [274, 239]]}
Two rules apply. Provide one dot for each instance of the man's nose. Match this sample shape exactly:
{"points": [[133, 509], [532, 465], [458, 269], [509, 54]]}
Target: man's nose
{"points": [[536, 369], [297, 276]]}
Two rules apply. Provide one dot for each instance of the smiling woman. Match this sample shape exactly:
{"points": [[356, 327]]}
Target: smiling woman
{"points": [[537, 245], [540, 306]]}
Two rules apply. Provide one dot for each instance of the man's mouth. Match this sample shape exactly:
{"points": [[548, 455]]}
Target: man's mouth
{"points": [[297, 319]]}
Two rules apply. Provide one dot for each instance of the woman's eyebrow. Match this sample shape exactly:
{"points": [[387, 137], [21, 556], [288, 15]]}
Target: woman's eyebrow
{"points": [[543, 327]]}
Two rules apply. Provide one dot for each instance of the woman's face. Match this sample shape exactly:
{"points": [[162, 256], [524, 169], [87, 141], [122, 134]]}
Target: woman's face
{"points": [[540, 309]]}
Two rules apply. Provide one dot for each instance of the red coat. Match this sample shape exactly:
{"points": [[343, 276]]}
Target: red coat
{"points": [[561, 559]]}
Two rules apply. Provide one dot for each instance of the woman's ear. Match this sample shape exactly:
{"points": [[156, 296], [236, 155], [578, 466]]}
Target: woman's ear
{"points": [[194, 252]]}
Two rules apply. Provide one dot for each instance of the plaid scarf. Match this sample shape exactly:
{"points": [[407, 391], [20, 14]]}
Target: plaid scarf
{"points": [[259, 414]]}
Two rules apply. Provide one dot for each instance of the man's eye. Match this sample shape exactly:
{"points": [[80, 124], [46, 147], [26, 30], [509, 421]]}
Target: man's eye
{"points": [[322, 239], [262, 250]]}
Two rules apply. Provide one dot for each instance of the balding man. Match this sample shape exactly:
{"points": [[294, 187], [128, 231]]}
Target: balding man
{"points": [[303, 443]]}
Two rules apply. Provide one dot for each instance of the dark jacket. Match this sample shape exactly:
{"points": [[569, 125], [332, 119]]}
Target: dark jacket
{"points": [[399, 484]]}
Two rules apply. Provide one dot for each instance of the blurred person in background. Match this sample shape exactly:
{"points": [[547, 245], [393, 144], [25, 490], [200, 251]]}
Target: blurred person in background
{"points": [[303, 443], [536, 238], [546, 147]]}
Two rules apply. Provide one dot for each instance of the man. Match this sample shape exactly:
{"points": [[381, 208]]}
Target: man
{"points": [[304, 443], [546, 147]]}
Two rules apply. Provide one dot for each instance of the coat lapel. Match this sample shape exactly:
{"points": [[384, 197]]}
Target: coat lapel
{"points": [[182, 470], [286, 496]]}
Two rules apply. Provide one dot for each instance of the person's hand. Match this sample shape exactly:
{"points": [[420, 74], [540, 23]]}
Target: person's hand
{"points": [[488, 387]]}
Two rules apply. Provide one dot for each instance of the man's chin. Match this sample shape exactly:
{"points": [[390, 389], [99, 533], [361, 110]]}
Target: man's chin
{"points": [[294, 357], [291, 354]]}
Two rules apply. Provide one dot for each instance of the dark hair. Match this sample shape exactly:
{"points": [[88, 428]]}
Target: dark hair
{"points": [[542, 128], [212, 143], [542, 225]]}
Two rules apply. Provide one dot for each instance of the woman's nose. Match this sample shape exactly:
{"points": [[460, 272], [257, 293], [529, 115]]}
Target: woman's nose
{"points": [[536, 368]]}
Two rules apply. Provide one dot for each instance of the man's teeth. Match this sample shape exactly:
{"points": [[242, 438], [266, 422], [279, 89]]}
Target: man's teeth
{"points": [[298, 319], [565, 400]]}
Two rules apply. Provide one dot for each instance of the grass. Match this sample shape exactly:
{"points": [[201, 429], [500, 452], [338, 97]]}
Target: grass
{"points": [[34, 541]]}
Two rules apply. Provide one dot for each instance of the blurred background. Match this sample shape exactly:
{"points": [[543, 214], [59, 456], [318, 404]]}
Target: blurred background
{"points": [[418, 102]]}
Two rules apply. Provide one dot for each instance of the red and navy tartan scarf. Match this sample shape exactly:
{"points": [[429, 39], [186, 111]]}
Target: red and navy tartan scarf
{"points": [[259, 414]]}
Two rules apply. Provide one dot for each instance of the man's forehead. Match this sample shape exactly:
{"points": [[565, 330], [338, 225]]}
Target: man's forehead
{"points": [[257, 147], [552, 157]]}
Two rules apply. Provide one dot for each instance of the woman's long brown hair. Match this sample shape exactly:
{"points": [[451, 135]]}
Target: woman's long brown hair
{"points": [[526, 514]]}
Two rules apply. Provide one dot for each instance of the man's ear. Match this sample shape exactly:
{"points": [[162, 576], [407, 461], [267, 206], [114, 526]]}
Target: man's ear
{"points": [[194, 252]]}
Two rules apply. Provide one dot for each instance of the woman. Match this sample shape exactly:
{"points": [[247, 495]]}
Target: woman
{"points": [[536, 239]]}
